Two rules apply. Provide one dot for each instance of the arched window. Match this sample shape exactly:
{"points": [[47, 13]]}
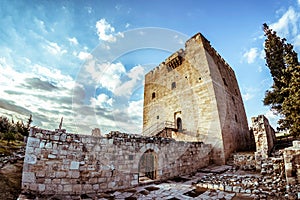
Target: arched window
{"points": [[179, 124], [173, 86]]}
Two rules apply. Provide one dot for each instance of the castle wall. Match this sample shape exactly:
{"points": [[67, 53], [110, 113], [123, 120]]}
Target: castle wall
{"points": [[57, 162], [265, 138], [206, 98], [232, 115]]}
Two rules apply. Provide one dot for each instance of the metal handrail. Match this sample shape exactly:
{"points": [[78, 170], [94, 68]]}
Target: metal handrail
{"points": [[155, 128]]}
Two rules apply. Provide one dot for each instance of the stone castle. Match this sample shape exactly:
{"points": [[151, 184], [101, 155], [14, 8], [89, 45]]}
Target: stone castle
{"points": [[193, 117], [194, 96]]}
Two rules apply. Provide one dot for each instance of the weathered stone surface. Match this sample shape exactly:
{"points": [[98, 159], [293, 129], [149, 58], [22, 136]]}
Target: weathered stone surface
{"points": [[196, 92], [74, 165], [292, 164], [30, 158], [33, 142], [28, 177], [65, 163]]}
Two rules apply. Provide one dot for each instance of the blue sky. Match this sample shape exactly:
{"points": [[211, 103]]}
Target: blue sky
{"points": [[85, 60]]}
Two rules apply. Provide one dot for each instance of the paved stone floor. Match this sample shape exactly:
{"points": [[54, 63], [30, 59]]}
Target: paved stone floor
{"points": [[176, 189], [180, 188]]}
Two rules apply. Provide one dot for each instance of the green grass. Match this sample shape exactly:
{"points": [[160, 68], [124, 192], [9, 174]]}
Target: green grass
{"points": [[8, 149]]}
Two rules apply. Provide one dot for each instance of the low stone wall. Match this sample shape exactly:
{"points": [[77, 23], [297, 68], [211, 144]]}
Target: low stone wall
{"points": [[57, 162]]}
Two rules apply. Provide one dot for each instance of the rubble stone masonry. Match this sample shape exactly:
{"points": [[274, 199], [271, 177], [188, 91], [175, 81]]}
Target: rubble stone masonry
{"points": [[265, 138], [292, 163], [57, 162]]}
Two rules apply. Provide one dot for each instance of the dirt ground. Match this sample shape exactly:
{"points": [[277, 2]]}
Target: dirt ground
{"points": [[10, 181]]}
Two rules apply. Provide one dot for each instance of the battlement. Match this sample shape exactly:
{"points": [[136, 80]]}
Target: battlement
{"points": [[177, 58], [210, 49]]}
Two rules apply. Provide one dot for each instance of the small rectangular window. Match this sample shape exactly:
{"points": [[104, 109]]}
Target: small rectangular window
{"points": [[153, 95], [173, 85], [224, 82]]}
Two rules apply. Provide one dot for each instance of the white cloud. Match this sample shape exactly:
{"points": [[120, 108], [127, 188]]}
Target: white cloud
{"points": [[54, 76], [106, 32], [135, 109], [40, 24], [84, 55], [102, 100], [45, 93], [54, 48], [127, 25], [247, 96], [73, 40], [107, 75], [288, 20], [251, 55], [297, 40], [136, 74], [270, 115]]}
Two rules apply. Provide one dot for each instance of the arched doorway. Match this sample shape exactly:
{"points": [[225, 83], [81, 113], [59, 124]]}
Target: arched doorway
{"points": [[179, 124], [148, 166]]}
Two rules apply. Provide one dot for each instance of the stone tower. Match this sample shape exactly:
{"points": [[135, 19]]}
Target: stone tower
{"points": [[194, 96]]}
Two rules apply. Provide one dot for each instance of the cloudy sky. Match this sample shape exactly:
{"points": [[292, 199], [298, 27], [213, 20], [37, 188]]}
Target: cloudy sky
{"points": [[85, 60]]}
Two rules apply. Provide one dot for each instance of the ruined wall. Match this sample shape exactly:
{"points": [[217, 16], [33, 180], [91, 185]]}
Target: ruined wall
{"points": [[198, 86], [265, 138], [292, 164], [57, 162]]}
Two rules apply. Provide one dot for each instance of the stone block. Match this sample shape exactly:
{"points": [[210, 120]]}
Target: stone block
{"points": [[41, 187], [228, 188], [33, 186], [33, 142], [28, 177], [55, 137], [101, 180], [93, 180], [51, 156], [30, 159], [111, 184], [42, 144], [60, 174], [56, 181], [74, 165], [47, 181], [48, 145], [68, 188], [236, 189], [77, 188], [63, 137], [87, 188], [96, 187], [60, 188], [296, 144], [40, 174], [75, 174]]}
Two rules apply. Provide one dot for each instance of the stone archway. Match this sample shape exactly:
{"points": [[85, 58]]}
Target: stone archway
{"points": [[148, 166]]}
